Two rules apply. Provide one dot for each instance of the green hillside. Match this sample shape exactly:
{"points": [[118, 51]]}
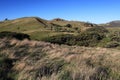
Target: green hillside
{"points": [[39, 28]]}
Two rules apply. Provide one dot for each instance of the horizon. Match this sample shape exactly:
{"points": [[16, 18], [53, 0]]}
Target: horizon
{"points": [[56, 18], [94, 11]]}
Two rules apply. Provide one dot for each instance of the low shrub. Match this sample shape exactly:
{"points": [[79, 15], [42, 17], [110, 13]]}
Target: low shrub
{"points": [[19, 36], [68, 25], [5, 68], [98, 29], [115, 38], [112, 45], [88, 38], [83, 39], [60, 39]]}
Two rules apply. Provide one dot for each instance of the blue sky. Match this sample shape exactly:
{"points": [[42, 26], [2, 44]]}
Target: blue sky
{"points": [[95, 11]]}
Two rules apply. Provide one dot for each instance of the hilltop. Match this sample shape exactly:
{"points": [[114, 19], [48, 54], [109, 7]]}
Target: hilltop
{"points": [[113, 24]]}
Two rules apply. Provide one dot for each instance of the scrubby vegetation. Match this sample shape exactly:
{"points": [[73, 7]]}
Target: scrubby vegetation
{"points": [[91, 37], [83, 39], [60, 39], [96, 36], [5, 68], [111, 40], [98, 29], [68, 25], [19, 36]]}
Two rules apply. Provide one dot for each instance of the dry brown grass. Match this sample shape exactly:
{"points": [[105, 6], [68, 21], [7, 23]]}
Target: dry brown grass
{"points": [[45, 61]]}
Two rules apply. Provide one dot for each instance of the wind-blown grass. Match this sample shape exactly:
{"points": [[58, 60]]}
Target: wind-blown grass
{"points": [[40, 60]]}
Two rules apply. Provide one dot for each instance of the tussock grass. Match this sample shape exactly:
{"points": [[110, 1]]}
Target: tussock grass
{"points": [[37, 60]]}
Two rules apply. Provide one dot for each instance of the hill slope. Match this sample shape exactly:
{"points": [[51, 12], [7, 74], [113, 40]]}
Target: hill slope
{"points": [[27, 23], [33, 60], [39, 28], [112, 24]]}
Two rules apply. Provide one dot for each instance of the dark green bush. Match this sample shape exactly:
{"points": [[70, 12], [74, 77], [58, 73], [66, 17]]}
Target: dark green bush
{"points": [[112, 44], [83, 39], [98, 29], [88, 38], [19, 36], [112, 40], [115, 36], [5, 68], [61, 39], [68, 25], [76, 28]]}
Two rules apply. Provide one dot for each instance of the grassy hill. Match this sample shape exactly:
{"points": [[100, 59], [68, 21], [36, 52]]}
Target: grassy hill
{"points": [[23, 24], [39, 28], [77, 33], [115, 23]]}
